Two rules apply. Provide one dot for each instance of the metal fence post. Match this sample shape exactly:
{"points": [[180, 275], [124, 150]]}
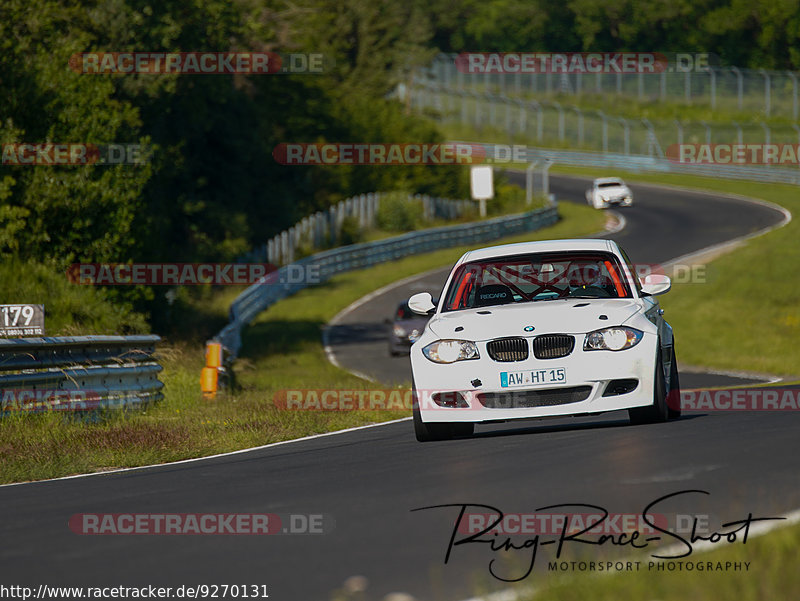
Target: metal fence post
{"points": [[626, 134], [539, 121], [679, 127], [560, 119], [604, 129], [687, 87], [767, 91], [739, 86], [793, 77], [546, 179], [652, 140], [580, 124], [713, 75], [767, 132], [708, 131], [529, 182], [739, 137]]}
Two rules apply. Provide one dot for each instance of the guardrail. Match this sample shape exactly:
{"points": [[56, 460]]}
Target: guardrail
{"points": [[319, 267], [78, 373], [324, 228]]}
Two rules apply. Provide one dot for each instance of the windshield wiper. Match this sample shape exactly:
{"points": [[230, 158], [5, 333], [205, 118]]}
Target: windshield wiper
{"points": [[588, 296]]}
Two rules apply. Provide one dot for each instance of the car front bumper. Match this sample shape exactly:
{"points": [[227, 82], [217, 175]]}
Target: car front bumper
{"points": [[592, 369], [621, 201]]}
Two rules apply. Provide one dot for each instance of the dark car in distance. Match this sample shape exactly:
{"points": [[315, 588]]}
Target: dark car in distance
{"points": [[404, 329]]}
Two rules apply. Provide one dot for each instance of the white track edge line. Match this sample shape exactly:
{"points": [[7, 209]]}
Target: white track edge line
{"points": [[207, 457]]}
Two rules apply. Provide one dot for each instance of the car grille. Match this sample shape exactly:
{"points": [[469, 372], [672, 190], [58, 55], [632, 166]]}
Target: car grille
{"points": [[520, 399], [508, 349], [553, 346]]}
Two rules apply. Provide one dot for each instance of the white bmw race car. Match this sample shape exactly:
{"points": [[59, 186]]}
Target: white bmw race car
{"points": [[542, 329], [607, 191]]}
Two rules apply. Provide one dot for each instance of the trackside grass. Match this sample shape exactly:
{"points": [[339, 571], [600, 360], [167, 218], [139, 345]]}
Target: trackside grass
{"points": [[281, 350]]}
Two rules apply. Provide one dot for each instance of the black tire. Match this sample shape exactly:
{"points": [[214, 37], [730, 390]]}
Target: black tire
{"points": [[674, 395], [658, 411], [437, 431]]}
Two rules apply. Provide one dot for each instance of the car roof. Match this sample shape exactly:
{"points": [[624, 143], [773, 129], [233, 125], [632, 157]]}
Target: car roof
{"points": [[607, 180], [521, 248]]}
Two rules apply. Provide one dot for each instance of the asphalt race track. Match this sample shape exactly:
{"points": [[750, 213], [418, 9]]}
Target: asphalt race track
{"points": [[369, 480]]}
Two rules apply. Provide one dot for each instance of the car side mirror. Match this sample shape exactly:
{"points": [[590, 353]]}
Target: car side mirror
{"points": [[655, 284], [422, 303]]}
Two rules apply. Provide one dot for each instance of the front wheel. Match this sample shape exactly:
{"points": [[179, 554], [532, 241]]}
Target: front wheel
{"points": [[659, 410], [674, 395]]}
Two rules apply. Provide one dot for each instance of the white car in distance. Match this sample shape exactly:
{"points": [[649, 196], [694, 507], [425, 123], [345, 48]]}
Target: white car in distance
{"points": [[542, 329], [608, 191]]}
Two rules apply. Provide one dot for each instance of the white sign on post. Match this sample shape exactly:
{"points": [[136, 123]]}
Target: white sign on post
{"points": [[481, 183]]}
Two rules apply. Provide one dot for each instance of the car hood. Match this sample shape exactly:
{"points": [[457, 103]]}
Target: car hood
{"points": [[614, 190], [572, 316]]}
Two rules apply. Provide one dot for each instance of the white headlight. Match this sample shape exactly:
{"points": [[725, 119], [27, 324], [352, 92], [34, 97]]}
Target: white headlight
{"points": [[612, 339], [615, 339], [450, 351]]}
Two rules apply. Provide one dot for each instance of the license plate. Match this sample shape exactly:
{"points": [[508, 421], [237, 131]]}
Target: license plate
{"points": [[532, 377]]}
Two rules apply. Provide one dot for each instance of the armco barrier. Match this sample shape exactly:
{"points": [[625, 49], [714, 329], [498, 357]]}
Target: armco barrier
{"points": [[324, 265], [77, 373]]}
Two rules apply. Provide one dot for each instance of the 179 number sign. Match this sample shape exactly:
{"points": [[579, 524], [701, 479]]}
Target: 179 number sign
{"points": [[21, 320]]}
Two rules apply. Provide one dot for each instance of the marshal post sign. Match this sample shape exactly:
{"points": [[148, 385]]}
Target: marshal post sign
{"points": [[20, 321]]}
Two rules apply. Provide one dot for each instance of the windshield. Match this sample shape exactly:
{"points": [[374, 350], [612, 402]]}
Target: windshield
{"points": [[536, 277], [609, 184]]}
